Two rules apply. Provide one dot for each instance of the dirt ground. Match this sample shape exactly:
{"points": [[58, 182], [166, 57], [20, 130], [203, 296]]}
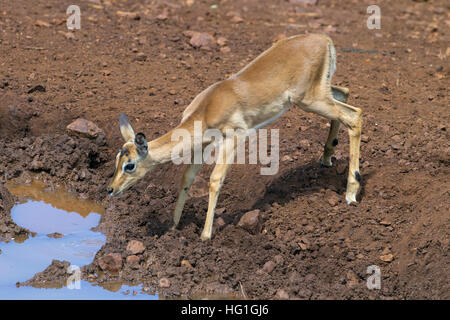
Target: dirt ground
{"points": [[144, 65]]}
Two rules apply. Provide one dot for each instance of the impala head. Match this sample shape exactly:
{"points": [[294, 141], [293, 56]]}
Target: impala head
{"points": [[130, 164]]}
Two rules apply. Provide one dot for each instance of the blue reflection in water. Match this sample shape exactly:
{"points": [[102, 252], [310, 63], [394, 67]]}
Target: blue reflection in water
{"points": [[21, 261]]}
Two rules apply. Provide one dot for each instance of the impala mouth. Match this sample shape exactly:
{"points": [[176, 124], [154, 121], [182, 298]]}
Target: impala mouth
{"points": [[111, 192]]}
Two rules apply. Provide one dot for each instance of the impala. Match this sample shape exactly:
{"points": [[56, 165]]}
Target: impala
{"points": [[294, 71]]}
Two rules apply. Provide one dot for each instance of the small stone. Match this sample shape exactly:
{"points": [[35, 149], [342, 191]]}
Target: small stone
{"points": [[39, 88], [333, 199], [365, 138], [201, 40], [385, 223], [237, 19], [225, 49], [140, 57], [164, 283], [187, 264], [41, 23], [278, 259], [135, 247], [251, 221], [132, 259], [85, 128], [282, 295], [131, 15], [352, 279], [163, 16], [269, 266], [387, 258], [220, 222], [222, 41], [111, 262], [287, 158], [55, 235], [69, 35]]}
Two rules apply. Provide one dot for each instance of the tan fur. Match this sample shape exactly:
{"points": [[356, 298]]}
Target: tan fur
{"points": [[295, 71]]}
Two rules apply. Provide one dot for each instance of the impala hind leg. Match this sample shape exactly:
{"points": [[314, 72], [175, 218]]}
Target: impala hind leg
{"points": [[188, 177], [340, 94], [215, 184], [351, 117]]}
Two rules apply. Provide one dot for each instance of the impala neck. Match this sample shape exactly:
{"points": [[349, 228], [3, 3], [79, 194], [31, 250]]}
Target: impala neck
{"points": [[160, 149]]}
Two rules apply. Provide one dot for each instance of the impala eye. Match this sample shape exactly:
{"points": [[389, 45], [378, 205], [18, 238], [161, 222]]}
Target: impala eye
{"points": [[130, 167]]}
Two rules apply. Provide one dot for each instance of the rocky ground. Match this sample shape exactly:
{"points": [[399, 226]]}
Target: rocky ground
{"points": [[149, 59]]}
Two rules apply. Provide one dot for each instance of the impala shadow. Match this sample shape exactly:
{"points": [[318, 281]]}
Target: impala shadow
{"points": [[308, 179]]}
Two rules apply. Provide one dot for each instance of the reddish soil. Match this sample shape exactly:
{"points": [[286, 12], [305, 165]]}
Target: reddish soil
{"points": [[320, 246]]}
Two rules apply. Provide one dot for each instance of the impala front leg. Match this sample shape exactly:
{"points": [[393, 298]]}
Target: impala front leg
{"points": [[188, 177], [215, 184]]}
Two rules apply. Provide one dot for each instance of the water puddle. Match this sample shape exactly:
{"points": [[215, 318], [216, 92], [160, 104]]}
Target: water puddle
{"points": [[62, 229]]}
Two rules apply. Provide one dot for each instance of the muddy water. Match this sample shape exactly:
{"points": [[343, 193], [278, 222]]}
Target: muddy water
{"points": [[54, 212]]}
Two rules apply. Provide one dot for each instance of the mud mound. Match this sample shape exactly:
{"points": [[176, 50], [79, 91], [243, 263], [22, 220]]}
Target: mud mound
{"points": [[8, 229]]}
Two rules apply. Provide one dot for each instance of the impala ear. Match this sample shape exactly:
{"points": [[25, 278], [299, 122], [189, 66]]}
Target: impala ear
{"points": [[125, 128], [141, 144]]}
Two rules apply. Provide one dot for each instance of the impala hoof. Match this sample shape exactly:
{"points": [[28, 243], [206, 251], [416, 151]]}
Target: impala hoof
{"points": [[173, 227], [326, 163], [351, 198], [205, 237]]}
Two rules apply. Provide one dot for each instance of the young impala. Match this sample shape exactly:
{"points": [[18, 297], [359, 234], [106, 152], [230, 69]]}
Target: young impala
{"points": [[294, 71]]}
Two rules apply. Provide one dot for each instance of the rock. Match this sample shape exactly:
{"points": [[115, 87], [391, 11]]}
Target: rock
{"points": [[55, 235], [199, 188], [201, 40], [163, 16], [164, 283], [135, 247], [365, 138], [352, 279], [39, 88], [187, 264], [225, 49], [84, 128], [282, 295], [333, 199], [220, 222], [251, 221], [131, 15], [287, 158], [68, 35], [111, 262], [41, 23], [222, 41], [269, 266], [140, 57], [132, 260], [387, 257], [385, 223], [237, 19], [36, 164], [278, 259]]}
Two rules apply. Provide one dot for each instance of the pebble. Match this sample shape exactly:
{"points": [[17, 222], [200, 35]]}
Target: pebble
{"points": [[269, 266], [85, 128], [282, 294], [111, 262], [135, 247], [251, 221], [164, 283]]}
